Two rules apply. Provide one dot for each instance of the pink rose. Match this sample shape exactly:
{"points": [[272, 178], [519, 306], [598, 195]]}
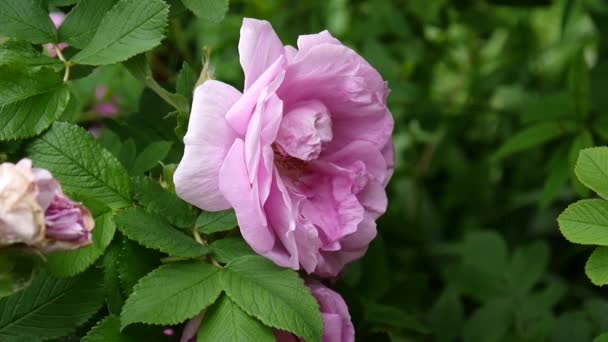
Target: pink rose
{"points": [[303, 155], [35, 212], [57, 18]]}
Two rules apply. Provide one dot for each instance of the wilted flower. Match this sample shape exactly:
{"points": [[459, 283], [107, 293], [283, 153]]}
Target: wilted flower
{"points": [[303, 155], [35, 212]]}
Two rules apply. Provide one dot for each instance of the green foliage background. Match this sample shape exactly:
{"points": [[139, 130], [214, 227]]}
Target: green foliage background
{"points": [[492, 99]]}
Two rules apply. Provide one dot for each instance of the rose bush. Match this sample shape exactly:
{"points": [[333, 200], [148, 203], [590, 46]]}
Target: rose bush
{"points": [[302, 155]]}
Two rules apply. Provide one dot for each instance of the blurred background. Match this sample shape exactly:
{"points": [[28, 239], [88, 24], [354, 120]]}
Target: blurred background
{"points": [[492, 102]]}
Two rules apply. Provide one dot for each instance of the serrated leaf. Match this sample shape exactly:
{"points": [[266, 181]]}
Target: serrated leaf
{"points": [[157, 200], [225, 321], [212, 10], [111, 280], [28, 117], [172, 294], [150, 157], [229, 249], [81, 165], [585, 222], [130, 27], [152, 231], [14, 52], [596, 267], [218, 221], [18, 83], [186, 79], [532, 136], [108, 330], [69, 263], [582, 141], [127, 153], [26, 20], [82, 22], [50, 307], [592, 169], [275, 296], [134, 262]]}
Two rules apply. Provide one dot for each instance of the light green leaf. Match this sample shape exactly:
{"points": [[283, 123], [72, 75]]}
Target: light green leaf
{"points": [[230, 248], [225, 321], [21, 53], [597, 266], [130, 27], [602, 338], [153, 232], [29, 117], [585, 222], [172, 294], [582, 141], [67, 264], [534, 135], [150, 157], [108, 330], [157, 200], [592, 169], [81, 165], [212, 10], [275, 296], [50, 307], [26, 20], [83, 20], [218, 221]]}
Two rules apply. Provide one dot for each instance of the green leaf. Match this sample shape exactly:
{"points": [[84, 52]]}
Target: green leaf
{"points": [[597, 266], [172, 294], [489, 323], [582, 141], [108, 330], [130, 27], [134, 262], [157, 200], [50, 307], [592, 169], [29, 117], [66, 264], [212, 10], [579, 86], [153, 232], [81, 165], [21, 53], [393, 317], [150, 157], [447, 315], [83, 20], [528, 265], [225, 321], [127, 153], [532, 136], [186, 79], [219, 221], [26, 20], [111, 279], [558, 176], [228, 249], [602, 338], [585, 222], [18, 83], [275, 296]]}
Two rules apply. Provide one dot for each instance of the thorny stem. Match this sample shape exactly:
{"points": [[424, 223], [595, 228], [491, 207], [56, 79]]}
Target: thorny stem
{"points": [[66, 75]]}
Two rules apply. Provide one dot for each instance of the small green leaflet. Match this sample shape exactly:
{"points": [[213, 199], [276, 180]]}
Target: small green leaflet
{"points": [[533, 135], [26, 20], [597, 266], [50, 307], [230, 248], [582, 141], [81, 165], [108, 330], [22, 53], [157, 200], [172, 293], [585, 222], [212, 10], [152, 231], [226, 321], [212, 222], [111, 280], [83, 20], [130, 27], [134, 261], [592, 169], [65, 264], [275, 296], [150, 157]]}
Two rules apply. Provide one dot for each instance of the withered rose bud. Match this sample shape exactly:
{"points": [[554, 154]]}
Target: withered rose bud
{"points": [[34, 211]]}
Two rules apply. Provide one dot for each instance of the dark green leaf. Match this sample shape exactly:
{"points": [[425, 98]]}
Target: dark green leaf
{"points": [[108, 330], [151, 195], [150, 157], [83, 20], [134, 262], [212, 222], [228, 249], [212, 10], [26, 20], [532, 136]]}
